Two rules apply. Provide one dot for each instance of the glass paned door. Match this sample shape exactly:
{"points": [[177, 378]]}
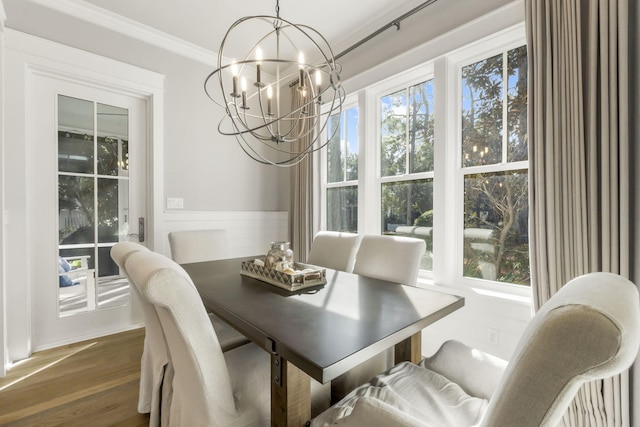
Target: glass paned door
{"points": [[93, 203]]}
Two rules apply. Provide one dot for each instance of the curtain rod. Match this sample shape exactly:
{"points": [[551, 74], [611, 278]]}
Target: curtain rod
{"points": [[395, 22]]}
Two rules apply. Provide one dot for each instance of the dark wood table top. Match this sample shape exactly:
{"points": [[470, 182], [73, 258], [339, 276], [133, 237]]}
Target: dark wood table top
{"points": [[326, 330]]}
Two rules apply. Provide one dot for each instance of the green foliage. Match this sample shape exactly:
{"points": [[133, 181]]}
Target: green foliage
{"points": [[424, 220], [407, 130], [76, 193]]}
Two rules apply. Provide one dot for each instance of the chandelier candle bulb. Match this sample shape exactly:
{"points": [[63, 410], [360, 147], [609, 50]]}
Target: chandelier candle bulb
{"points": [[318, 78], [234, 73], [243, 86], [269, 96], [301, 67], [258, 82]]}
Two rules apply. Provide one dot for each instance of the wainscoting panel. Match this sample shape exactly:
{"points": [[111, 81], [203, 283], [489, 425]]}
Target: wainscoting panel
{"points": [[491, 323], [249, 233]]}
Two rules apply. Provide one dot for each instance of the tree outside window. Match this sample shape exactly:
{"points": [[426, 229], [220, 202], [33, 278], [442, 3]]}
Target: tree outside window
{"points": [[494, 166], [407, 140], [342, 172]]}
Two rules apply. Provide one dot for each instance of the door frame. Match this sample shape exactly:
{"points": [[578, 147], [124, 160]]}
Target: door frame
{"points": [[42, 57]]}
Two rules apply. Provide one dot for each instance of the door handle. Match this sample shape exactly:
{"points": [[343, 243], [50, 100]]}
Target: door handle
{"points": [[141, 229], [140, 234]]}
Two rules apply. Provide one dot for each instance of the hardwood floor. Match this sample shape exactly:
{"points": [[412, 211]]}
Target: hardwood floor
{"points": [[91, 383]]}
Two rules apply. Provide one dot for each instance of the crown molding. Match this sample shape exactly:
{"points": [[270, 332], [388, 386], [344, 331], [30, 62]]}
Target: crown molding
{"points": [[128, 27]]}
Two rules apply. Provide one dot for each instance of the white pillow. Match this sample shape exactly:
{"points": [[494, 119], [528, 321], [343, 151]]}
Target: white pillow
{"points": [[417, 393]]}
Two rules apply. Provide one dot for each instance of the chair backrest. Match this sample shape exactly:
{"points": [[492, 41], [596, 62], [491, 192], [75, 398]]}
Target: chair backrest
{"points": [[590, 329], [392, 258], [198, 245], [202, 393], [121, 251], [155, 356], [335, 250]]}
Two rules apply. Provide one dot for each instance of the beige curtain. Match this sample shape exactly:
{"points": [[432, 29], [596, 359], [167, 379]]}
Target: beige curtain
{"points": [[301, 195], [579, 162]]}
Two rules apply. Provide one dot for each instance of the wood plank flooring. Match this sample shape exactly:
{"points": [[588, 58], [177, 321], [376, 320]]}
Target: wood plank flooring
{"points": [[91, 383]]}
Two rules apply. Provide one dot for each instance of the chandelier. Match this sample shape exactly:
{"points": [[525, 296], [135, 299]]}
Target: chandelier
{"points": [[279, 96]]}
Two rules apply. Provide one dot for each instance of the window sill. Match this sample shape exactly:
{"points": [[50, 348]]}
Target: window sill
{"points": [[505, 293]]}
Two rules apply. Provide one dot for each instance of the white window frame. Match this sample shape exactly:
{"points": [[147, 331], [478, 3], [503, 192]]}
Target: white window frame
{"points": [[389, 86], [454, 176], [351, 101], [448, 174]]}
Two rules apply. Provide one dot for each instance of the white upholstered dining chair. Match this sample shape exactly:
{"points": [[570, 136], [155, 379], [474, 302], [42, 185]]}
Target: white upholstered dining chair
{"points": [[392, 258], [198, 245], [334, 250], [206, 245], [209, 387], [590, 329], [155, 359]]}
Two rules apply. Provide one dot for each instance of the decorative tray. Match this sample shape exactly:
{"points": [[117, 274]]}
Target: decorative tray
{"points": [[305, 275]]}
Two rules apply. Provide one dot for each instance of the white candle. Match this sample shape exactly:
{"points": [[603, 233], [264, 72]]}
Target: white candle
{"points": [[234, 73], [258, 63], [243, 85], [318, 77], [269, 96], [301, 67]]}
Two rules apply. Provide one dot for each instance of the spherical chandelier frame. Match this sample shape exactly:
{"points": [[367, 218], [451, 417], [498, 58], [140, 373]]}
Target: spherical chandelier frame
{"points": [[265, 131]]}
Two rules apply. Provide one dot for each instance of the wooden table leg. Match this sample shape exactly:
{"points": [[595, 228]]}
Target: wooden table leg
{"points": [[409, 349], [290, 394]]}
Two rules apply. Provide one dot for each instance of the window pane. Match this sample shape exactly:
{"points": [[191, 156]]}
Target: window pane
{"points": [[113, 289], [335, 155], [342, 148], [113, 128], [352, 143], [421, 127], [342, 209], [496, 216], [407, 209], [75, 204], [75, 276], [110, 217], [517, 105], [75, 135], [482, 106], [394, 133], [113, 157], [75, 152]]}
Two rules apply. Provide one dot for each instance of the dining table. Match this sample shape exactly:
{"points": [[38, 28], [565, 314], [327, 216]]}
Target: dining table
{"points": [[318, 332]]}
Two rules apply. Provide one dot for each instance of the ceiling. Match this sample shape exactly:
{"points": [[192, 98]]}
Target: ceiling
{"points": [[203, 23]]}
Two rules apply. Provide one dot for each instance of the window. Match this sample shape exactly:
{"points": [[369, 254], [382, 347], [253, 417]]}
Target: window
{"points": [[494, 167], [444, 158], [342, 172], [93, 203], [406, 159]]}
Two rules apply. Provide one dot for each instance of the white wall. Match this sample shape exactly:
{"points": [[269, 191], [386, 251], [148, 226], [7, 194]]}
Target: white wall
{"points": [[249, 233]]}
